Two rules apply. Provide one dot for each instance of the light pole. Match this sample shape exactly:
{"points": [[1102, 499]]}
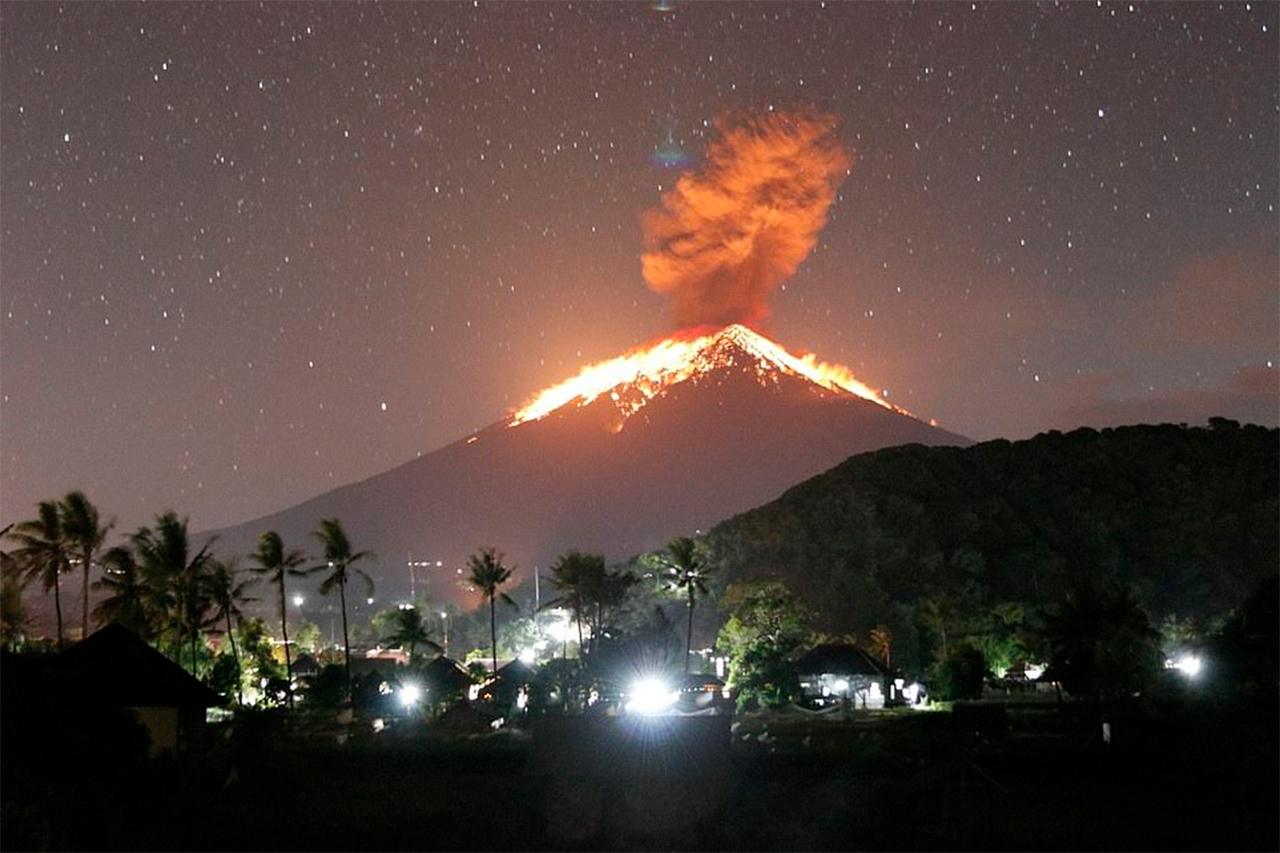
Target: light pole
{"points": [[444, 617]]}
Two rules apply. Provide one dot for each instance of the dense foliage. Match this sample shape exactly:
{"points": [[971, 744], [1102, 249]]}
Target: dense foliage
{"points": [[1186, 517]]}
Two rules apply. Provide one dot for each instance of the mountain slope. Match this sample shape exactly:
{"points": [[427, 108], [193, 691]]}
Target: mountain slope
{"points": [[1188, 517], [618, 471]]}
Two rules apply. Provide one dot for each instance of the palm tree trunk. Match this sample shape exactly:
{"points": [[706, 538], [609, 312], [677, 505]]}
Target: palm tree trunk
{"points": [[493, 632], [284, 631], [346, 639], [688, 642], [235, 655], [577, 616], [84, 604], [195, 633], [57, 607]]}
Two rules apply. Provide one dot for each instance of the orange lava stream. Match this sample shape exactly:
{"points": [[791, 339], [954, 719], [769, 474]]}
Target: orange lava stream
{"points": [[654, 366]]}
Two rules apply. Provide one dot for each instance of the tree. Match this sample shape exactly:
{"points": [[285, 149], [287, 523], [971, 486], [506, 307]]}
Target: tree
{"points": [[227, 595], [882, 644], [767, 627], [689, 572], [126, 600], [960, 675], [176, 579], [84, 531], [1101, 643], [408, 630], [13, 616], [42, 553], [340, 559], [938, 612], [276, 564], [572, 575], [487, 574]]}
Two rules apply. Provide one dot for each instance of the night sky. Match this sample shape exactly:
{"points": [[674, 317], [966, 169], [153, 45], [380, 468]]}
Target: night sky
{"points": [[253, 252]]}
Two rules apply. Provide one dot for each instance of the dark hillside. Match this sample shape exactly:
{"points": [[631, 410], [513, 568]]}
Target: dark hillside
{"points": [[1186, 516]]}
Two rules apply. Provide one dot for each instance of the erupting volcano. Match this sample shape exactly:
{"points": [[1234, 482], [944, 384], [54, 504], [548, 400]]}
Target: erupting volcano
{"points": [[670, 437], [632, 380]]}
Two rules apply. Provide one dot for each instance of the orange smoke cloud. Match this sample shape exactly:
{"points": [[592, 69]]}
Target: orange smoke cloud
{"points": [[727, 235]]}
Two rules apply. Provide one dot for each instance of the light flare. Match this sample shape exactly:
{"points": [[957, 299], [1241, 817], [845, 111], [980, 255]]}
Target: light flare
{"points": [[633, 379]]}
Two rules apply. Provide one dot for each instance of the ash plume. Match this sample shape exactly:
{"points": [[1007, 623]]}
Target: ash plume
{"points": [[729, 233]]}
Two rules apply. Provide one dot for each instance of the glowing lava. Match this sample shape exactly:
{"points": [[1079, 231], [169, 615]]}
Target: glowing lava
{"points": [[633, 379]]}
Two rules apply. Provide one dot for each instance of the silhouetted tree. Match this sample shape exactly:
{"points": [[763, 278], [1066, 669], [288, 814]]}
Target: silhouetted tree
{"points": [[340, 560], [85, 532], [42, 553], [409, 631], [487, 574], [227, 594], [126, 599], [175, 577], [688, 572], [276, 564], [1101, 643]]}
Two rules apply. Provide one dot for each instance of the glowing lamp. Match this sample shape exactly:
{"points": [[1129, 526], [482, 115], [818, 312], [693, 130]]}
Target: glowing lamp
{"points": [[651, 696], [410, 695]]}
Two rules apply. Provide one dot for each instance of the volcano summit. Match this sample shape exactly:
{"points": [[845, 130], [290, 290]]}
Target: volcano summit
{"points": [[670, 437]]}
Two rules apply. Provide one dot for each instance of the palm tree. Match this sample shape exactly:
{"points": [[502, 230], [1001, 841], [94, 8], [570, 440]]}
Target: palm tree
{"points": [[411, 631], [177, 588], [84, 531], [688, 572], [13, 617], [227, 595], [276, 564], [487, 574], [573, 575], [938, 612], [42, 553], [882, 644], [128, 599], [339, 560]]}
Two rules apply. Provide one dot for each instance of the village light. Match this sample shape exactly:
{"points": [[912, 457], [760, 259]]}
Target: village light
{"points": [[651, 696], [410, 694], [1187, 664], [528, 655], [297, 600], [842, 686]]}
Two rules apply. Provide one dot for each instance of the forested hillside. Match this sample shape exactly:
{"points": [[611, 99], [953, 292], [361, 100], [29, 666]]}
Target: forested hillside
{"points": [[915, 536]]}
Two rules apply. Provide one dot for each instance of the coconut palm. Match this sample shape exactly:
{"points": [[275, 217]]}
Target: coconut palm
{"points": [[84, 531], [42, 553], [409, 631], [276, 564], [572, 576], [127, 599], [488, 572], [227, 594], [339, 560], [176, 578], [13, 616], [688, 572], [882, 644]]}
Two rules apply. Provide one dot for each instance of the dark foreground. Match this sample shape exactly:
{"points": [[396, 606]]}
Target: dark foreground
{"points": [[1034, 778]]}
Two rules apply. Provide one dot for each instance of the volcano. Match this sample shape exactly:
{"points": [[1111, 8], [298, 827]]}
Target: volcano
{"points": [[667, 439]]}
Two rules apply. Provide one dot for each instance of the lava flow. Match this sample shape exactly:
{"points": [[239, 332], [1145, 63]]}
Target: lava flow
{"points": [[633, 379]]}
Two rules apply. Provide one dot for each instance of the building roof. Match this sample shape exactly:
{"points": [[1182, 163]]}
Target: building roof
{"points": [[115, 666], [446, 674], [840, 659]]}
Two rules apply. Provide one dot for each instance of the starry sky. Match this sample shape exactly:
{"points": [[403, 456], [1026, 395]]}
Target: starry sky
{"points": [[252, 252]]}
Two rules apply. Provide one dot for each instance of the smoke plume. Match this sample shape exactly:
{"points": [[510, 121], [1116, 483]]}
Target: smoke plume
{"points": [[729, 233]]}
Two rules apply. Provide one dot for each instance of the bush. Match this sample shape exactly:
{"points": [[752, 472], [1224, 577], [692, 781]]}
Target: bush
{"points": [[959, 676]]}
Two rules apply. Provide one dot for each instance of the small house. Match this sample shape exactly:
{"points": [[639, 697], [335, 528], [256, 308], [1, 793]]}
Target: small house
{"points": [[116, 668], [833, 672]]}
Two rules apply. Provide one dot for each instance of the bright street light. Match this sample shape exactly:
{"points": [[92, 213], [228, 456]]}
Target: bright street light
{"points": [[651, 696]]}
